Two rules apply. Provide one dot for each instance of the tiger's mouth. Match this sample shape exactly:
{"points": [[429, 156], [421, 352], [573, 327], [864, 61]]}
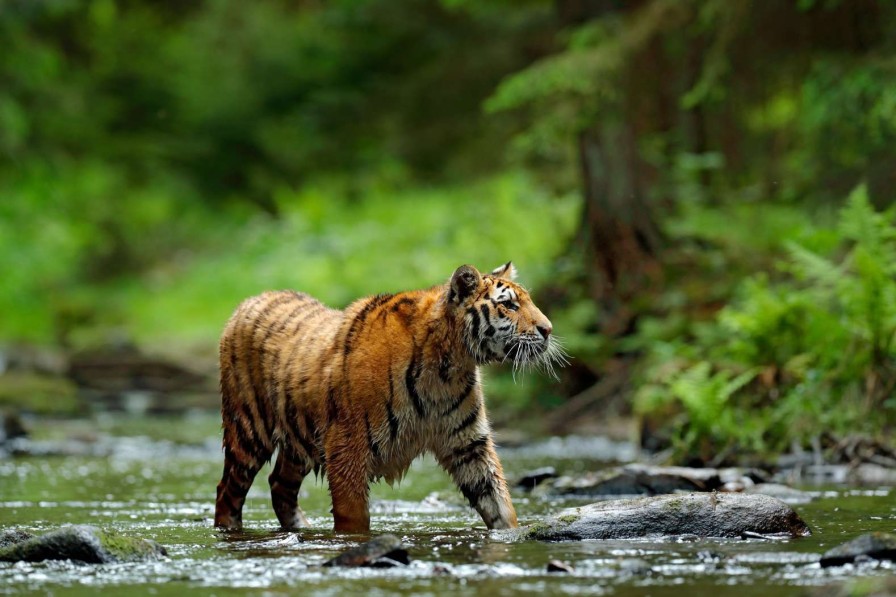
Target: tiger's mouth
{"points": [[526, 349], [528, 352]]}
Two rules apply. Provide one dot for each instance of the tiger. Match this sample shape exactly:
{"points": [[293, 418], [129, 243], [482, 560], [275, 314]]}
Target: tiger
{"points": [[357, 394]]}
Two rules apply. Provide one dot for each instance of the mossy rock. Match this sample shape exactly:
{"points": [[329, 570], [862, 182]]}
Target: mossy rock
{"points": [[79, 543], [700, 514], [8, 538]]}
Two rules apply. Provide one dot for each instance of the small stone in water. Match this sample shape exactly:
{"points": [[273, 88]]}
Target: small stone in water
{"points": [[634, 567], [374, 553], [533, 479], [558, 566]]}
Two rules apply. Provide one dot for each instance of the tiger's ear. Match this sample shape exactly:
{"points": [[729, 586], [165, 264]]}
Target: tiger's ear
{"points": [[506, 271], [464, 282]]}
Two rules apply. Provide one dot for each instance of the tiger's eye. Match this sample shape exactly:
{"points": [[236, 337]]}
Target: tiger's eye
{"points": [[512, 306]]}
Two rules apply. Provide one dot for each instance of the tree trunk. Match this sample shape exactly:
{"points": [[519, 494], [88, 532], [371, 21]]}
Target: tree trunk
{"points": [[620, 236]]}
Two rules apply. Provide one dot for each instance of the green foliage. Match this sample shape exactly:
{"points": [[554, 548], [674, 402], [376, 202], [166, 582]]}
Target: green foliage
{"points": [[709, 415], [137, 135], [811, 351], [338, 246]]}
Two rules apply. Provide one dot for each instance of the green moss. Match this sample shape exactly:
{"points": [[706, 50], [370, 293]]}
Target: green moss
{"points": [[535, 530], [568, 518], [128, 548], [39, 394], [676, 504]]}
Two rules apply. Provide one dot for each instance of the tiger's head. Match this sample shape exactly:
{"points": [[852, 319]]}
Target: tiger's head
{"points": [[500, 321]]}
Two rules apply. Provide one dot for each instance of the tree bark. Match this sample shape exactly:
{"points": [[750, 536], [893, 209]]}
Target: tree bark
{"points": [[620, 236]]}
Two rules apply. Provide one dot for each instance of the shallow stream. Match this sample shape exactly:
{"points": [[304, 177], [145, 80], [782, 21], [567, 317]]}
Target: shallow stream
{"points": [[153, 479]]}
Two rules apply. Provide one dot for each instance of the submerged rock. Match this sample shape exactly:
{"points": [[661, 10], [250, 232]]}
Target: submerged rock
{"points": [[700, 514], [634, 567], [879, 546], [638, 479], [380, 552], [558, 566], [533, 479], [79, 543]]}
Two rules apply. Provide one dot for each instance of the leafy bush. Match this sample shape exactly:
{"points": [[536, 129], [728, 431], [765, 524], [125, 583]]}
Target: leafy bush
{"points": [[808, 352]]}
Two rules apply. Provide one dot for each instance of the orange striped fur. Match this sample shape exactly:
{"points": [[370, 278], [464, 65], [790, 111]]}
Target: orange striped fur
{"points": [[360, 393]]}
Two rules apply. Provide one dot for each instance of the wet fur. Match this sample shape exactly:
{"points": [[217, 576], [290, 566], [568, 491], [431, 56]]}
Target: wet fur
{"points": [[360, 393]]}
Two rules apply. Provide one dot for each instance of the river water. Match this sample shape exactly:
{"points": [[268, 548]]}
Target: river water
{"points": [[156, 479]]}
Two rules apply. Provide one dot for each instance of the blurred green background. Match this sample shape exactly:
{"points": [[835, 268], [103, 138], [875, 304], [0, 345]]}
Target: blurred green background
{"points": [[698, 192]]}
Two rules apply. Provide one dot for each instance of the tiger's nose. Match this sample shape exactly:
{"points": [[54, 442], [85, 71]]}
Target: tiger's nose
{"points": [[544, 330]]}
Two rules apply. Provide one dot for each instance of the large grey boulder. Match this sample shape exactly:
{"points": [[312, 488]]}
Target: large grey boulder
{"points": [[700, 514], [80, 543]]}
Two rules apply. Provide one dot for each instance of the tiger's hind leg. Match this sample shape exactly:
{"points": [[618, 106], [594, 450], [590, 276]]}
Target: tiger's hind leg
{"points": [[285, 481], [235, 483]]}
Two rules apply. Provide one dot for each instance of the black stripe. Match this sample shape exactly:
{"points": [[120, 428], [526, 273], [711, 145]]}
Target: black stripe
{"points": [[274, 396], [332, 407], [296, 339], [371, 443], [318, 307], [241, 474], [243, 375], [242, 429], [231, 346], [486, 314], [390, 413], [410, 382], [465, 393], [445, 368], [475, 450], [475, 323], [469, 420], [306, 444], [359, 319], [287, 484], [303, 439], [403, 301], [293, 314], [271, 381], [474, 492], [310, 427], [393, 420], [255, 363]]}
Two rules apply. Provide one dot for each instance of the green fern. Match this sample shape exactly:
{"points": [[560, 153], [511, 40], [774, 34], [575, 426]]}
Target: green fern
{"points": [[822, 335]]}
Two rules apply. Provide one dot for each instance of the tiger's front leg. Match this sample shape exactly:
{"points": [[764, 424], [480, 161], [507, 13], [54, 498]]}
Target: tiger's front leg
{"points": [[347, 473], [477, 472]]}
